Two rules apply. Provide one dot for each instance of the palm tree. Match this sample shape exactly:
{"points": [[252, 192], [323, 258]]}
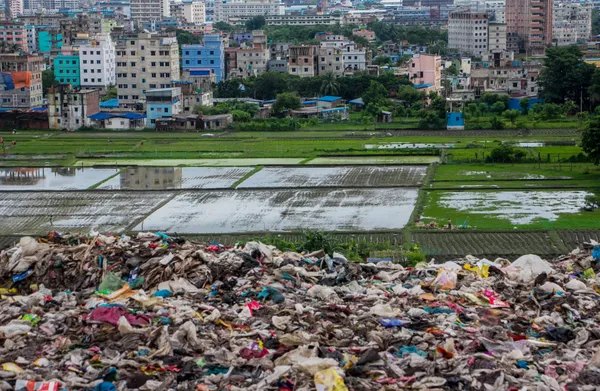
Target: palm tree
{"points": [[330, 85]]}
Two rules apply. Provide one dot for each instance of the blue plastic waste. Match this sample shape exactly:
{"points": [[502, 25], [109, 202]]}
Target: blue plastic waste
{"points": [[387, 322], [163, 293], [406, 350]]}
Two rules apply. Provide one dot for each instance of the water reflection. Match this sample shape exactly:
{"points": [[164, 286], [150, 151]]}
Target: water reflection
{"points": [[151, 178], [55, 178]]}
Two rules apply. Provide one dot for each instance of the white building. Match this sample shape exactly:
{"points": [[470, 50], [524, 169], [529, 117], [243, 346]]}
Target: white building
{"points": [[31, 39], [97, 62], [148, 61], [147, 10], [468, 32], [194, 12], [497, 37], [231, 9], [571, 22], [355, 59]]}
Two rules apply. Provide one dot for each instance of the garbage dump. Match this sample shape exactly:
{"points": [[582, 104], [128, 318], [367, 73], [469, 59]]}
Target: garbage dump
{"points": [[154, 312]]}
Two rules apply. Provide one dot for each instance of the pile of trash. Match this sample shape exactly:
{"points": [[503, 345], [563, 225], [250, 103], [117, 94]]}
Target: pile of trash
{"points": [[154, 312]]}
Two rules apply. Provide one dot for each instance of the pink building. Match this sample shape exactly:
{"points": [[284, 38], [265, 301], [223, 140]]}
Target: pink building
{"points": [[14, 8], [425, 70], [13, 34], [529, 25]]}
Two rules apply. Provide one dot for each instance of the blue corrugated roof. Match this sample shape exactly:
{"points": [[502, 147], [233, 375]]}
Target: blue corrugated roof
{"points": [[357, 101], [329, 98], [421, 86], [100, 116], [334, 109], [111, 103], [309, 102], [133, 115]]}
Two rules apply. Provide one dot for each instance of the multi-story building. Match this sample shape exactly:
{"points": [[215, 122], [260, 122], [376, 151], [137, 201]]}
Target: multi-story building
{"points": [[162, 103], [143, 62], [49, 39], [70, 109], [224, 10], [330, 60], [571, 22], [497, 37], [293, 20], [196, 88], [13, 37], [23, 89], [209, 55], [31, 39], [355, 59], [426, 69], [146, 10], [277, 65], [529, 25], [67, 68], [496, 10], [499, 73], [468, 32], [13, 8], [194, 12], [301, 60], [252, 61], [230, 68], [97, 62], [358, 19]]}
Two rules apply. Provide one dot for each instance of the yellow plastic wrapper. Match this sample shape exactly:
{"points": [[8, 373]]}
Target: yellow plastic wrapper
{"points": [[482, 271], [11, 367], [589, 273], [329, 380]]}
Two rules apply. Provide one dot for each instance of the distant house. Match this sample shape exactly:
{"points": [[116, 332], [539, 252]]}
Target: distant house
{"points": [[329, 102], [455, 121], [384, 117], [118, 120]]}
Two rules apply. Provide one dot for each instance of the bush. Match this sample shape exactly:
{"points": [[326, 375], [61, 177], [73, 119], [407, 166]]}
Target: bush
{"points": [[497, 123], [505, 154]]}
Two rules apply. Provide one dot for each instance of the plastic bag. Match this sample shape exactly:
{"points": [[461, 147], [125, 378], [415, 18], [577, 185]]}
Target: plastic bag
{"points": [[530, 266], [31, 385], [329, 380], [111, 283], [445, 280]]}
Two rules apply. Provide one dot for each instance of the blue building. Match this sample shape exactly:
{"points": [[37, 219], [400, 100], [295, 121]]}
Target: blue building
{"points": [[455, 121], [48, 40], [66, 69], [162, 103], [210, 55]]}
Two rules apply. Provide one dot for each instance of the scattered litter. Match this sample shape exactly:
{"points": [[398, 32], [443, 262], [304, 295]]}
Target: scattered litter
{"points": [[156, 312]]}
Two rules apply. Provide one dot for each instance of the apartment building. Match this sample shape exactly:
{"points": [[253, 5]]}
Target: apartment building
{"points": [[146, 10], [496, 10], [13, 8], [97, 62], [225, 10], [209, 55], [426, 69], [21, 87], [571, 22], [194, 12], [143, 62], [497, 37], [355, 59], [70, 109], [330, 60], [196, 88], [529, 25], [31, 39], [13, 36], [67, 68], [252, 61], [301, 60], [162, 103], [468, 32]]}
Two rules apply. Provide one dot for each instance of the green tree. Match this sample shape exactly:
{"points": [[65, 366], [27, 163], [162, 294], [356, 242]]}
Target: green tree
{"points": [[256, 23], [382, 60], [438, 105], [241, 116], [111, 93], [505, 153], [222, 26], [524, 104], [497, 123], [565, 75], [48, 80], [431, 120], [550, 111], [330, 85], [569, 108], [511, 115], [590, 139], [451, 70], [286, 101], [498, 107], [375, 94]]}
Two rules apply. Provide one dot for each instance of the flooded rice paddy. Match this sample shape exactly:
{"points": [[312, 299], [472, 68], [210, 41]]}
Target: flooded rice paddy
{"points": [[46, 178], [518, 207], [368, 176], [408, 146], [284, 210]]}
